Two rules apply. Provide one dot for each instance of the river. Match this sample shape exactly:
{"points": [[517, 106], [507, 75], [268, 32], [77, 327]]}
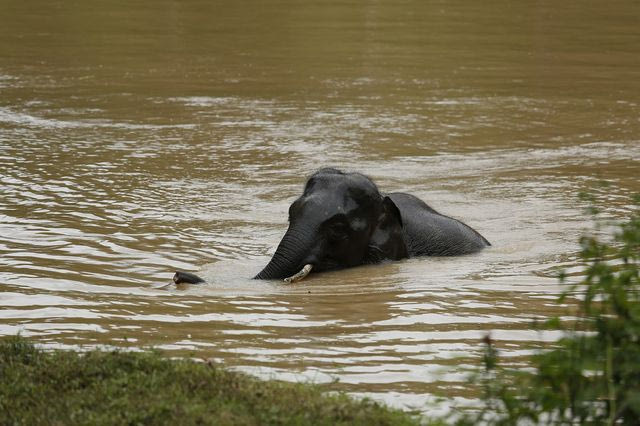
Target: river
{"points": [[137, 138]]}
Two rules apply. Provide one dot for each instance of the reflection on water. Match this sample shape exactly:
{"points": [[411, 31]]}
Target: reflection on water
{"points": [[137, 141]]}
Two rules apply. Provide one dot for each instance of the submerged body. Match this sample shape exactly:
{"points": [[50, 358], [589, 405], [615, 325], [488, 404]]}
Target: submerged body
{"points": [[342, 220], [429, 233]]}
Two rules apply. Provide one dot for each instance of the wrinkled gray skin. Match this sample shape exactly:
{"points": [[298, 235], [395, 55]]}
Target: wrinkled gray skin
{"points": [[342, 220]]}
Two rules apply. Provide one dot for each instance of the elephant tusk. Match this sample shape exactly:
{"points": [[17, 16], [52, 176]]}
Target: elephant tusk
{"points": [[300, 275]]}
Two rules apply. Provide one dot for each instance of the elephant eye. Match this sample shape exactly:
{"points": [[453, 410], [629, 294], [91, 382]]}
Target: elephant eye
{"points": [[338, 231]]}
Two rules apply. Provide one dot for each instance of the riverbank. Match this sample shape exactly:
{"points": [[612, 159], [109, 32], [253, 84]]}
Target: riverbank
{"points": [[98, 387]]}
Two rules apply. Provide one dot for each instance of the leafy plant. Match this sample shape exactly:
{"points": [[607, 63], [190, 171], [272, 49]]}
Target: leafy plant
{"points": [[592, 375]]}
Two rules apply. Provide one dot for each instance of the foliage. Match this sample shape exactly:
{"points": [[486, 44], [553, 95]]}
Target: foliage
{"points": [[63, 387], [592, 375]]}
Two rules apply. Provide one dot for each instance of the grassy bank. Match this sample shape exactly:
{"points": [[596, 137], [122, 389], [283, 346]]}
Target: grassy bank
{"points": [[62, 387]]}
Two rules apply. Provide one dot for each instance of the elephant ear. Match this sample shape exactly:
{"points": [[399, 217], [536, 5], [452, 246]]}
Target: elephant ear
{"points": [[391, 210], [387, 239]]}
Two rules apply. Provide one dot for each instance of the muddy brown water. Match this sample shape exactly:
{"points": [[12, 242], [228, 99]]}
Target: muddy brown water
{"points": [[140, 138]]}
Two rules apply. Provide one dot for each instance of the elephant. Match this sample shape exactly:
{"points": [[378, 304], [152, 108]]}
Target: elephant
{"points": [[342, 220]]}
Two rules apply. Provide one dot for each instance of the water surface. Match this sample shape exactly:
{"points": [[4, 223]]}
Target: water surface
{"points": [[136, 139]]}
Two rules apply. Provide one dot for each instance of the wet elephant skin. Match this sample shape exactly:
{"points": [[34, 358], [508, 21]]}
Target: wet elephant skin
{"points": [[342, 220]]}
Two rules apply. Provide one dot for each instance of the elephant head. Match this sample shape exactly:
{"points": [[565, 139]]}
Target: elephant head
{"points": [[341, 220]]}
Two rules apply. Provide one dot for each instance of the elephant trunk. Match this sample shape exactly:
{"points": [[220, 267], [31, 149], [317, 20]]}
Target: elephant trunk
{"points": [[289, 257]]}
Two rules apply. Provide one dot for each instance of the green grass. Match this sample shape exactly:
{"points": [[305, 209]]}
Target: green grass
{"points": [[67, 388]]}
